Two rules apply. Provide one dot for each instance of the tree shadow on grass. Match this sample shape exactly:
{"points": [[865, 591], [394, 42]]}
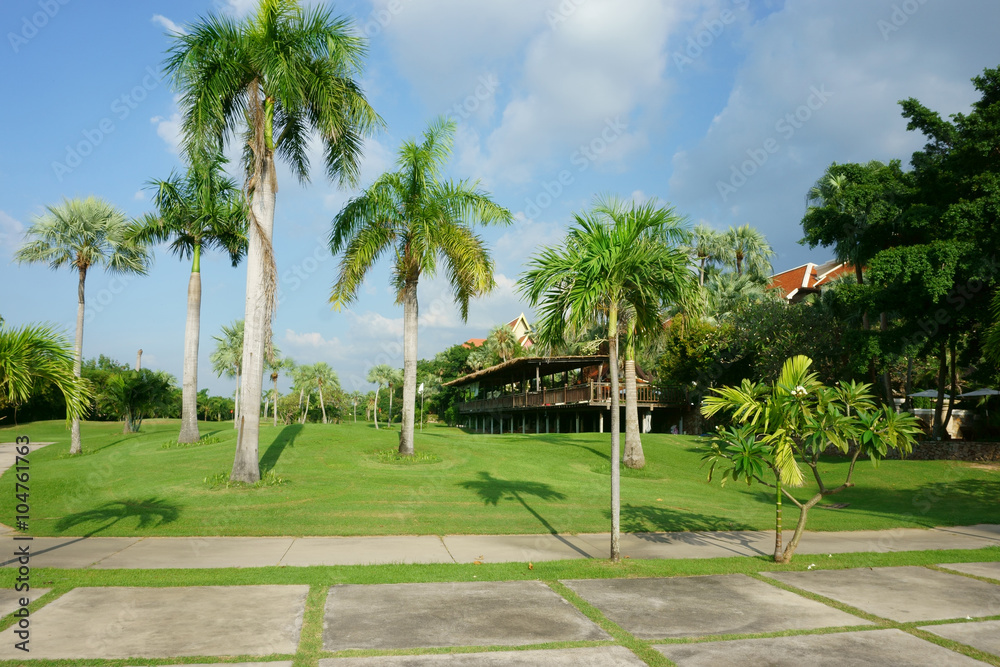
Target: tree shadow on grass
{"points": [[284, 439], [492, 490], [150, 512]]}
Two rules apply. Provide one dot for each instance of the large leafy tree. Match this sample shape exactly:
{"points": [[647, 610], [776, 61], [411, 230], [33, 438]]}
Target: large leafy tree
{"points": [[423, 221], [227, 360], [272, 79], [83, 234], [201, 209], [779, 428], [36, 355], [611, 261]]}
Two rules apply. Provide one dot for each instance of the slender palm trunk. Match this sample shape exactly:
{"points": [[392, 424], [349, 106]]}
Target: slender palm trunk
{"points": [[409, 367], [634, 458], [938, 429], [302, 392], [189, 384], [375, 408], [777, 518], [615, 439], [322, 405], [305, 413], [260, 258], [76, 445], [274, 409]]}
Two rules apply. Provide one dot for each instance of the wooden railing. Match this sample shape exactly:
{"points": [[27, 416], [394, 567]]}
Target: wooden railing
{"points": [[593, 393]]}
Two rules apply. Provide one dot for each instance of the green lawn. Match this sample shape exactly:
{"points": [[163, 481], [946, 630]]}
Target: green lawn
{"points": [[335, 484]]}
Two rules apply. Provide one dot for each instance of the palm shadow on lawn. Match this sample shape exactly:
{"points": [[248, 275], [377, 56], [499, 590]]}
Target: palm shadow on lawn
{"points": [[150, 512], [284, 439], [492, 490]]}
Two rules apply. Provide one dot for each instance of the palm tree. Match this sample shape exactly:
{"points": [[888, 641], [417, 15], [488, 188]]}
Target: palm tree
{"points": [[275, 365], [302, 380], [272, 79], [324, 376], [394, 379], [201, 209], [612, 259], [381, 376], [37, 354], [227, 359], [422, 220], [748, 251], [83, 233], [708, 246]]}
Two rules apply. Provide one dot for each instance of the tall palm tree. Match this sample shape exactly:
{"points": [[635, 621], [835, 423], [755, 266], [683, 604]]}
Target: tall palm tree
{"points": [[423, 220], [227, 360], [272, 79], [200, 210], [37, 354], [381, 375], [275, 365], [324, 376], [83, 233], [748, 251], [302, 375], [609, 262], [708, 246]]}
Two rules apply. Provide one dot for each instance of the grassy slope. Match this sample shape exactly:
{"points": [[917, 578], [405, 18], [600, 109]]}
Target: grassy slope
{"points": [[131, 485]]}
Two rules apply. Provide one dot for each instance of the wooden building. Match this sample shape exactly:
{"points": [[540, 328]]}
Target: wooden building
{"points": [[557, 395]]}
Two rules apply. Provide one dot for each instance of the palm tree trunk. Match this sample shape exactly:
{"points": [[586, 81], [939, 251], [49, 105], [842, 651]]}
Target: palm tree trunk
{"points": [[375, 409], [259, 296], [189, 384], [305, 413], [634, 457], [76, 446], [938, 428], [409, 367], [322, 405], [777, 518], [236, 403], [615, 439], [274, 409]]}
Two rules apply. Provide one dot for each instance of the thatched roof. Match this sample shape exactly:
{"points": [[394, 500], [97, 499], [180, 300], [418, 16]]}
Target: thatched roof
{"points": [[523, 368]]}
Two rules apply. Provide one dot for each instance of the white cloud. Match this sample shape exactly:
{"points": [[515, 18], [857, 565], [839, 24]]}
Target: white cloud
{"points": [[10, 233], [169, 25], [819, 84], [169, 129], [139, 195]]}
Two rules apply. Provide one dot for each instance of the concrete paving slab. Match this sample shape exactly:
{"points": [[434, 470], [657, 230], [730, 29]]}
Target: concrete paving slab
{"points": [[199, 552], [888, 541], [504, 613], [306, 551], [518, 548], [901, 593], [982, 635], [988, 570], [65, 552], [706, 605], [10, 599], [600, 656], [874, 647], [985, 531], [109, 623]]}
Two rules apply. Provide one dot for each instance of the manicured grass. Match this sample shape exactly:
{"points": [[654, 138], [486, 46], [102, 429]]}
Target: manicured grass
{"points": [[337, 480]]}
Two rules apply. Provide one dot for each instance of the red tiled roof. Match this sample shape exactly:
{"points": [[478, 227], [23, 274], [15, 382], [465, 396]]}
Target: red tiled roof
{"points": [[473, 342], [808, 277]]}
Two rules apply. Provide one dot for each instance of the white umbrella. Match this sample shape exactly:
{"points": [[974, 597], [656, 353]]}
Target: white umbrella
{"points": [[927, 393], [980, 392]]}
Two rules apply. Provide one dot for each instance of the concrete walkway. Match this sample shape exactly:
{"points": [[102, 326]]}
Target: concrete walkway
{"points": [[213, 552]]}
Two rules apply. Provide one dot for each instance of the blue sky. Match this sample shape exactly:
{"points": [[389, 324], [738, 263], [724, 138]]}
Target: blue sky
{"points": [[728, 110]]}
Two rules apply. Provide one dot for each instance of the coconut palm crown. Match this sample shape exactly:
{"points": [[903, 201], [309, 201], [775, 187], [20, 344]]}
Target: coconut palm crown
{"points": [[423, 221]]}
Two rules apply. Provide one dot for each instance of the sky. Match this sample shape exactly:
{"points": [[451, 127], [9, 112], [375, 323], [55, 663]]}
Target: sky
{"points": [[727, 110]]}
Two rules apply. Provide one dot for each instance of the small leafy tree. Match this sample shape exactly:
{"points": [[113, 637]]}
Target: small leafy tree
{"points": [[134, 395], [791, 423]]}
